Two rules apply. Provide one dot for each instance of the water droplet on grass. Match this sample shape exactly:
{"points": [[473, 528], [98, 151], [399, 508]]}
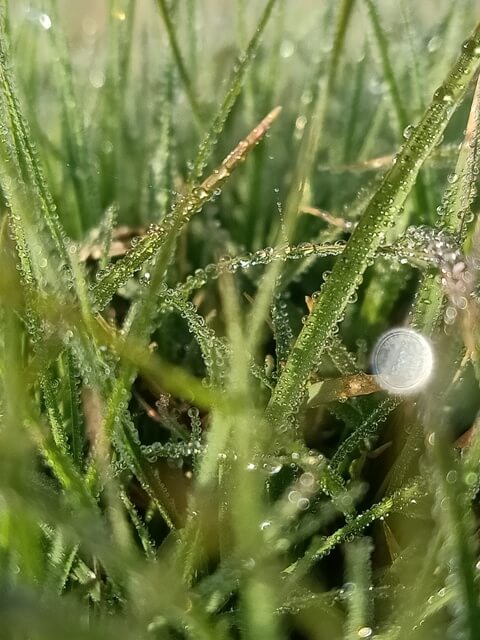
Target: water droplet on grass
{"points": [[287, 49], [303, 504], [434, 44], [43, 19], [452, 178], [300, 123], [402, 361], [451, 477]]}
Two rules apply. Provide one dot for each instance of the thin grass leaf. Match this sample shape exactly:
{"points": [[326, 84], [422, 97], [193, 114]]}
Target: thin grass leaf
{"points": [[282, 330], [456, 523], [393, 503], [73, 403], [359, 576], [382, 45], [417, 66], [456, 213], [179, 61], [364, 433], [351, 128], [139, 526], [309, 147], [55, 418]]}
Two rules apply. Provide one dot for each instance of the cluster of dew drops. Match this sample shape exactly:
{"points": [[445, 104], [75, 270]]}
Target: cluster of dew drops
{"points": [[440, 250]]}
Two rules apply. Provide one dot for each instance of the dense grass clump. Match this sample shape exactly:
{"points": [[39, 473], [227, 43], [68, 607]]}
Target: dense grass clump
{"points": [[210, 212]]}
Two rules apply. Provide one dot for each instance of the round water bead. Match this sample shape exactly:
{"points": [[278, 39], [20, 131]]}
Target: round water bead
{"points": [[402, 361]]}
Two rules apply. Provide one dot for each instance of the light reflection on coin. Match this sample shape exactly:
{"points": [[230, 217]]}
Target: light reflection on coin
{"points": [[402, 361]]}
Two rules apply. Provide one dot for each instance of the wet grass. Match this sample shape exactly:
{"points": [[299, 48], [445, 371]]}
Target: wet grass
{"points": [[208, 218]]}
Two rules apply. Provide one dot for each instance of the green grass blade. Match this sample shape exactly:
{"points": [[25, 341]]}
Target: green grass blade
{"points": [[359, 577], [366, 238], [396, 502], [27, 157]]}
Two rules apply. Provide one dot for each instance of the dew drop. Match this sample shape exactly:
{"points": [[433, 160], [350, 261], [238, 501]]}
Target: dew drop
{"points": [[451, 477], [434, 44], [43, 19], [287, 49], [300, 123], [408, 131], [452, 178], [402, 361]]}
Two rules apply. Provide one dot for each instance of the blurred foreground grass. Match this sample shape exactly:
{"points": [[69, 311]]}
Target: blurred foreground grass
{"points": [[192, 443]]}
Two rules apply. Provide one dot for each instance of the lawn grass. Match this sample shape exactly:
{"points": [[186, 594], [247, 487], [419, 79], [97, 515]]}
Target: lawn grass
{"points": [[209, 214]]}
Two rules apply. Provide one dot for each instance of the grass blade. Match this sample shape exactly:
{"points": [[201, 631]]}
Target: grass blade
{"points": [[366, 238]]}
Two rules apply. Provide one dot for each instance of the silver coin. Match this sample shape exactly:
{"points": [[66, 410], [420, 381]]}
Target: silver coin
{"points": [[402, 361]]}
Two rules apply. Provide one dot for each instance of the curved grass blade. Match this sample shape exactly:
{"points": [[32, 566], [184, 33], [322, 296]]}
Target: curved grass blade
{"points": [[214, 351], [266, 256]]}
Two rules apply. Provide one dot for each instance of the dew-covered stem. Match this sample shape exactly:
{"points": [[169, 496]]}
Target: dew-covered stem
{"points": [[183, 210], [365, 240], [398, 501]]}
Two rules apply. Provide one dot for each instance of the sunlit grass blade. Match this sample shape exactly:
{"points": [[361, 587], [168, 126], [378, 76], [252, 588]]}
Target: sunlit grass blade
{"points": [[322, 90]]}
